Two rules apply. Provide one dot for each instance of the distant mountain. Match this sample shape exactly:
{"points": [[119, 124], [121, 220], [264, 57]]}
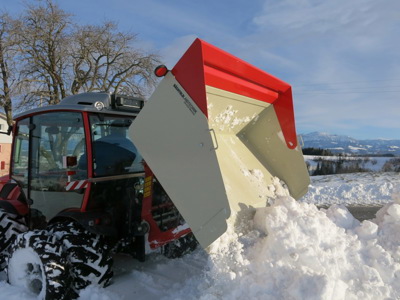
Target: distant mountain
{"points": [[346, 144]]}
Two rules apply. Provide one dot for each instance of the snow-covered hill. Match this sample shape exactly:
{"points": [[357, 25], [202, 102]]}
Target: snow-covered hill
{"points": [[288, 251], [346, 144]]}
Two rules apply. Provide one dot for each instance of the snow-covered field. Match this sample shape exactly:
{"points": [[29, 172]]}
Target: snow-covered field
{"points": [[369, 188], [289, 250]]}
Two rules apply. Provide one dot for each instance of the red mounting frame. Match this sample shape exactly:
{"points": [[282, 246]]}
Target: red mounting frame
{"points": [[157, 237]]}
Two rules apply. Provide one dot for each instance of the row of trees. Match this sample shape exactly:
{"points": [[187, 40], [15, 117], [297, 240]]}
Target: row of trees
{"points": [[355, 165], [45, 57], [317, 151], [327, 167], [392, 165]]}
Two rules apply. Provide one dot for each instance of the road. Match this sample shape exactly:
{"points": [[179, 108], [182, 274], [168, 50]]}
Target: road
{"points": [[362, 213]]}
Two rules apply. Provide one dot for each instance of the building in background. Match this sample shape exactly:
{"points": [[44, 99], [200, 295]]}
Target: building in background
{"points": [[5, 146]]}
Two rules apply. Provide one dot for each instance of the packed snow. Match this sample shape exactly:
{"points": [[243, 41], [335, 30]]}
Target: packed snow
{"points": [[288, 250]]}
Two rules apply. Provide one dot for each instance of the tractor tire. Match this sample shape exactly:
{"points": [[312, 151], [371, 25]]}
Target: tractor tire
{"points": [[180, 247], [10, 226], [37, 263], [89, 256]]}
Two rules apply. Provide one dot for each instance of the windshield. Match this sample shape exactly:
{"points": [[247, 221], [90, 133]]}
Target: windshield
{"points": [[47, 148], [113, 151]]}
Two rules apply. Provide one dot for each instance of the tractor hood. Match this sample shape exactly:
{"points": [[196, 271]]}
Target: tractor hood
{"points": [[215, 132]]}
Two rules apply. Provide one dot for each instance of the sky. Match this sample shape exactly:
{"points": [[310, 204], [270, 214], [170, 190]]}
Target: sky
{"points": [[340, 57]]}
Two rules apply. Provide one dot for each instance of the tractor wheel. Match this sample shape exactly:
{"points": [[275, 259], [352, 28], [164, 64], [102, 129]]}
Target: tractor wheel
{"points": [[10, 226], [180, 247], [36, 262], [89, 256]]}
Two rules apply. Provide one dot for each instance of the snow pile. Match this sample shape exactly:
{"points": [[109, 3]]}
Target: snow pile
{"points": [[289, 250], [295, 251]]}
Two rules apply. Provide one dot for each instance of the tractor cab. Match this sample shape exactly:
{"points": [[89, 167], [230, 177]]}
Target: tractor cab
{"points": [[59, 151], [76, 160], [46, 150]]}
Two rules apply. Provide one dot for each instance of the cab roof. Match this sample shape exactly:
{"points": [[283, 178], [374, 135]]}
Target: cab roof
{"points": [[93, 102]]}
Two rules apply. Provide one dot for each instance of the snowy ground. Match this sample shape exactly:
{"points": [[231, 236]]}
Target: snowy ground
{"points": [[290, 250]]}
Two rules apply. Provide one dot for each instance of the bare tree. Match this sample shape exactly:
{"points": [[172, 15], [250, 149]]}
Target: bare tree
{"points": [[57, 58], [43, 40], [104, 60], [8, 82]]}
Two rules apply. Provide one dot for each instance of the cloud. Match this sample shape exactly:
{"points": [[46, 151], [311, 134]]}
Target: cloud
{"points": [[339, 57]]}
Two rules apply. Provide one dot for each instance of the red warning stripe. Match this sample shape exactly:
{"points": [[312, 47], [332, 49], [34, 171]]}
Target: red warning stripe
{"points": [[76, 185]]}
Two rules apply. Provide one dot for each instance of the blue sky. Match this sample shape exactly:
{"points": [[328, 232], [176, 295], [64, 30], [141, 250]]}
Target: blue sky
{"points": [[341, 57]]}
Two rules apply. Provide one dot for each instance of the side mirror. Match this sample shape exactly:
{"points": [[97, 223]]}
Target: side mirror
{"points": [[70, 161], [9, 130]]}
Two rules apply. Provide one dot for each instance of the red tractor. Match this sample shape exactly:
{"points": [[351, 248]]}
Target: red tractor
{"points": [[95, 174], [78, 178]]}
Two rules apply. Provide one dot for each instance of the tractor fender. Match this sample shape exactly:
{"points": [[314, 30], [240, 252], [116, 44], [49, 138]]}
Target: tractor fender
{"points": [[8, 207], [14, 206], [12, 198]]}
